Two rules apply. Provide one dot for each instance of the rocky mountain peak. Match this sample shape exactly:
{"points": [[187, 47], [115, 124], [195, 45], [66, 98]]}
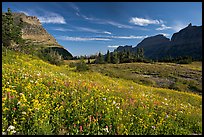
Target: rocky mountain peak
{"points": [[33, 30]]}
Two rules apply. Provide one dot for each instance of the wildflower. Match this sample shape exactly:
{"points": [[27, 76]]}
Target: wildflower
{"points": [[153, 127], [13, 132], [166, 116], [18, 103], [117, 107], [74, 125], [114, 102], [14, 109], [81, 129], [106, 129], [24, 113], [31, 81], [104, 98], [10, 128], [3, 133], [165, 98]]}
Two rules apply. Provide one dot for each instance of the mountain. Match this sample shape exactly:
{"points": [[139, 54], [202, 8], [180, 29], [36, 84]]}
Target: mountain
{"points": [[154, 46], [186, 42], [33, 32]]}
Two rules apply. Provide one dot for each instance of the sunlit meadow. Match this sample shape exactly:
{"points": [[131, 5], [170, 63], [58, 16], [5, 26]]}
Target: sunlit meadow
{"points": [[39, 98]]}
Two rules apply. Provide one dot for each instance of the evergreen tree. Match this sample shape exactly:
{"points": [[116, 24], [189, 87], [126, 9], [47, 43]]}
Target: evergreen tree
{"points": [[108, 59], [99, 59], [10, 32], [7, 28], [115, 59]]}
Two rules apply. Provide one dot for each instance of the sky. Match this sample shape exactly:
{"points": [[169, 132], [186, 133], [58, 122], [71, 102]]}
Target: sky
{"points": [[86, 28]]}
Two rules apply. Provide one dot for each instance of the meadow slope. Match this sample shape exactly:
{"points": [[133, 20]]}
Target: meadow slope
{"points": [[39, 98]]}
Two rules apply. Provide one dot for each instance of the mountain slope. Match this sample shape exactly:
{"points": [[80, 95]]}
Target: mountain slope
{"points": [[40, 98], [34, 33], [186, 42]]}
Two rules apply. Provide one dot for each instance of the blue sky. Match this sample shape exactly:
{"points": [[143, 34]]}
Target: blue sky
{"points": [[86, 28]]}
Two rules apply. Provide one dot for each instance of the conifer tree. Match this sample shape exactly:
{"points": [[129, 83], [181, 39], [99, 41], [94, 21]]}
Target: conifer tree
{"points": [[108, 59]]}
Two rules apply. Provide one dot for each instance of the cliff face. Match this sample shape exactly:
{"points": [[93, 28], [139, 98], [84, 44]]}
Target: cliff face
{"points": [[186, 42], [33, 32], [154, 46]]}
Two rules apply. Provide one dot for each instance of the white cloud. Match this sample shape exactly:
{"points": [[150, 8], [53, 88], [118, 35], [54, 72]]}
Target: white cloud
{"points": [[91, 30], [114, 46], [163, 27], [67, 38], [144, 22], [26, 13], [62, 29], [165, 34], [107, 32], [129, 37], [46, 16], [178, 26], [53, 18]]}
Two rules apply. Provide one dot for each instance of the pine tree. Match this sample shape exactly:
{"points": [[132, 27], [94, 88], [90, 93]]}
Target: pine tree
{"points": [[115, 59], [10, 32], [108, 59], [7, 28]]}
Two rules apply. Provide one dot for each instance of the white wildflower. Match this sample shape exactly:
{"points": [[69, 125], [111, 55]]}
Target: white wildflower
{"points": [[31, 81], [106, 129], [104, 98], [3, 133], [165, 98], [166, 116], [21, 94], [117, 107], [10, 128], [18, 103], [24, 112], [13, 132], [114, 102], [153, 127]]}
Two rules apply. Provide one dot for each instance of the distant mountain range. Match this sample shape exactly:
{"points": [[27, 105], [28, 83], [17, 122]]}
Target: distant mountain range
{"points": [[186, 42], [33, 32]]}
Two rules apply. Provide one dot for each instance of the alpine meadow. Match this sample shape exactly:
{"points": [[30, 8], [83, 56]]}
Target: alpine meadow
{"points": [[99, 83]]}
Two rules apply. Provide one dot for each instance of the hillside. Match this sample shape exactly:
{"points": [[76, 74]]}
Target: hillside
{"points": [[182, 77], [36, 36], [186, 42], [39, 98]]}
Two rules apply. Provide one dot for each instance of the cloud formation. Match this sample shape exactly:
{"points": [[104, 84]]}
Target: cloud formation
{"points": [[47, 17], [53, 18], [163, 27], [143, 21], [129, 37], [113, 46], [67, 38], [62, 29], [104, 38]]}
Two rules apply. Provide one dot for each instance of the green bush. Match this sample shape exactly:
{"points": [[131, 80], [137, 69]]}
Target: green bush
{"points": [[51, 56], [82, 66]]}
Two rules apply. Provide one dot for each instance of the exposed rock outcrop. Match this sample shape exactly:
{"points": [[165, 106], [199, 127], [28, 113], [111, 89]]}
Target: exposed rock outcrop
{"points": [[186, 42], [33, 32]]}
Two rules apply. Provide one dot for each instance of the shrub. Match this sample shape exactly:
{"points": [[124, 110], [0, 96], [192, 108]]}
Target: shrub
{"points": [[51, 56], [82, 66]]}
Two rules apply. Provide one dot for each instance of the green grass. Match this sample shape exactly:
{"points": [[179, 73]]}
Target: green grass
{"points": [[165, 75], [39, 98]]}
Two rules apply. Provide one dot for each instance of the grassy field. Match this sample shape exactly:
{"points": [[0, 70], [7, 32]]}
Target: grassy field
{"points": [[39, 98], [186, 77]]}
